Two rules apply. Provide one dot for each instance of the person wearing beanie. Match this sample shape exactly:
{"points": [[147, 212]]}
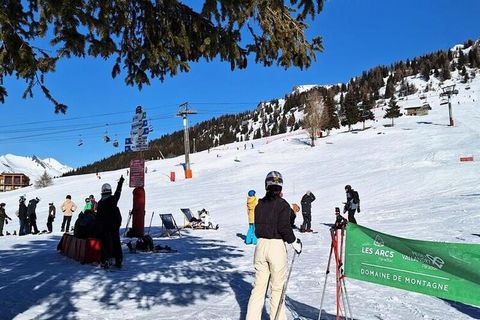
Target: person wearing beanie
{"points": [[306, 203], [51, 216], [110, 219], [251, 204], [272, 228], [68, 207], [32, 215], [23, 217]]}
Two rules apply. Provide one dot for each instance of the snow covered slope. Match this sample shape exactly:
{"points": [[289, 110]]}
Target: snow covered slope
{"points": [[409, 177], [33, 167]]}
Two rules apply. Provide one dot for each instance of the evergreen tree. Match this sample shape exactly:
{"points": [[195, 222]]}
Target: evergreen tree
{"points": [[446, 72], [393, 110], [151, 39], [329, 116], [390, 88], [464, 74], [291, 121], [282, 128], [351, 112], [425, 72], [462, 60]]}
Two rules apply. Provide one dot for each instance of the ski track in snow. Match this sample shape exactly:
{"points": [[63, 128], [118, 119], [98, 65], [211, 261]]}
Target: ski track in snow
{"points": [[409, 178]]}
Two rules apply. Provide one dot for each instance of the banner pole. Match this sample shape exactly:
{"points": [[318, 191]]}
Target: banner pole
{"points": [[337, 278], [325, 282]]}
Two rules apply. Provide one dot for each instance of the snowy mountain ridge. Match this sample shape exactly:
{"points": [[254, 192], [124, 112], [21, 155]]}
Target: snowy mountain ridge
{"points": [[32, 166]]}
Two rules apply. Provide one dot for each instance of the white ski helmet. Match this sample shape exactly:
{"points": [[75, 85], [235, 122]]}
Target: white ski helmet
{"points": [[106, 188], [274, 178]]}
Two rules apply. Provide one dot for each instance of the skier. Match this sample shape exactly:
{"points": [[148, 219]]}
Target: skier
{"points": [[23, 217], [110, 219], [32, 215], [340, 221], [272, 228], [88, 205], [352, 204], [206, 220], [306, 203], [51, 216], [251, 204], [68, 207], [3, 217], [94, 203]]}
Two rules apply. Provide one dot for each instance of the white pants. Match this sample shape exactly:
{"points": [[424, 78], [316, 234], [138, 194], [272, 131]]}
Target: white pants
{"points": [[270, 263]]}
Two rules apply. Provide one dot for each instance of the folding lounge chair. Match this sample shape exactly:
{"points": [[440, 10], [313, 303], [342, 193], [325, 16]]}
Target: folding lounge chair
{"points": [[169, 225], [190, 221]]}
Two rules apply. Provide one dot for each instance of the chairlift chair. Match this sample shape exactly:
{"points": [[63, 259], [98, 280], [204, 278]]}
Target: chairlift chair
{"points": [[80, 141], [106, 138]]}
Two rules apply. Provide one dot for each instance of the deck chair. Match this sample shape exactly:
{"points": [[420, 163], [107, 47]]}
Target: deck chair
{"points": [[169, 225], [189, 220]]}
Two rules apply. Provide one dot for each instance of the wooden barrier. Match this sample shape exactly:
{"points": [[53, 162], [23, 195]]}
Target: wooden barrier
{"points": [[81, 250]]}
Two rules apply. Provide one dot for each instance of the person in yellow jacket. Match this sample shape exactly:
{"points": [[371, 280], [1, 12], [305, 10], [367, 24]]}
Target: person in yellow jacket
{"points": [[251, 204]]}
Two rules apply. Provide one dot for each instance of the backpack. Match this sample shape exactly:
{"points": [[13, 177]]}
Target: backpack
{"points": [[145, 243], [356, 197]]}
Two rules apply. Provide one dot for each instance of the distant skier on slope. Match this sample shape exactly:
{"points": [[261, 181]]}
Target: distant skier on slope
{"points": [[51, 216], [252, 202], [23, 217], [32, 215], [272, 228], [3, 217], [68, 207], [306, 203], [353, 203]]}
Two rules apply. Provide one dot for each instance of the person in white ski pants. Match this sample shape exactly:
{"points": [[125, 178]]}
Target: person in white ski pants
{"points": [[273, 229]]}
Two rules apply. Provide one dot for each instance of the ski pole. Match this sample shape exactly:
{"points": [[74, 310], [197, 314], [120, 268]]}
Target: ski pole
{"points": [[128, 222], [151, 219], [284, 290], [325, 282]]}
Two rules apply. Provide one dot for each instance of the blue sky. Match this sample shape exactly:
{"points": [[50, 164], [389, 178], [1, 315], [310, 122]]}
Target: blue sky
{"points": [[357, 35]]}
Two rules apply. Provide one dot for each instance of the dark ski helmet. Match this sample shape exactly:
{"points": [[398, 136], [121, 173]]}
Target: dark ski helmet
{"points": [[22, 199], [348, 187], [274, 178]]}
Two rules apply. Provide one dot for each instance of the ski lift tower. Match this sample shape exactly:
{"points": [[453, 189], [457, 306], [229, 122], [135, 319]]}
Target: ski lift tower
{"points": [[183, 112], [448, 91]]}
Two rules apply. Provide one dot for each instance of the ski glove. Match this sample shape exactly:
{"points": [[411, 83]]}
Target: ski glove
{"points": [[358, 209], [297, 246]]}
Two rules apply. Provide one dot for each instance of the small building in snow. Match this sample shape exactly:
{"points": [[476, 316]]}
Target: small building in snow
{"points": [[418, 110], [11, 181]]}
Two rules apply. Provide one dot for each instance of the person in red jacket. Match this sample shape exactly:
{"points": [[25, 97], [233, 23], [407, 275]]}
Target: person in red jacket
{"points": [[273, 229]]}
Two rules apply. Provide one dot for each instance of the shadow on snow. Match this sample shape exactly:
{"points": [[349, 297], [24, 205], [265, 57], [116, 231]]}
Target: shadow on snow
{"points": [[35, 274]]}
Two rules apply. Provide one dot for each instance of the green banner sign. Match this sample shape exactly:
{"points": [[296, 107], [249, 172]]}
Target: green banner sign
{"points": [[445, 270]]}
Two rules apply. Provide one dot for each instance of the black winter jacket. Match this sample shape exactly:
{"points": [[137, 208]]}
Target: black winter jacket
{"points": [[108, 214], [31, 209], [272, 219], [22, 211], [306, 202]]}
